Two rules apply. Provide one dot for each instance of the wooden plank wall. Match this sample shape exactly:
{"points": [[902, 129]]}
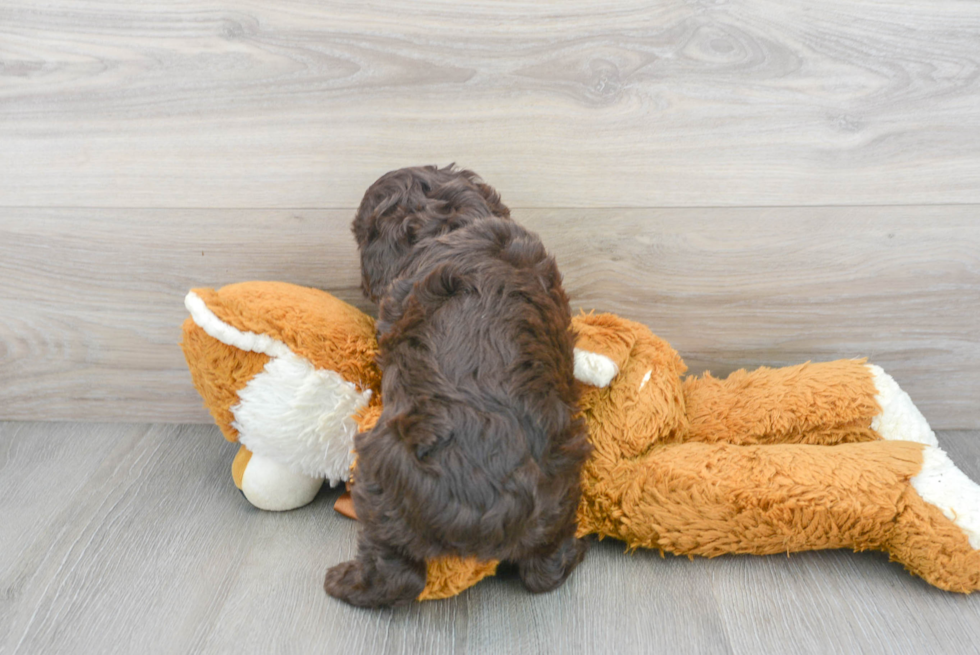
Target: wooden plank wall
{"points": [[760, 182]]}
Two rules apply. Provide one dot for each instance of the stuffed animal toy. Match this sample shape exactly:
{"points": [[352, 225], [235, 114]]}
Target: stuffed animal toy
{"points": [[828, 455]]}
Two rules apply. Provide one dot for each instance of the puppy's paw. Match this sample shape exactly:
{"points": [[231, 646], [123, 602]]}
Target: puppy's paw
{"points": [[541, 574], [396, 582], [346, 582]]}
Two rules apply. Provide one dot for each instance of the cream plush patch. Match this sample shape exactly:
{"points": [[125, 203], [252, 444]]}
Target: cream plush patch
{"points": [[593, 368], [301, 417], [941, 484], [900, 419]]}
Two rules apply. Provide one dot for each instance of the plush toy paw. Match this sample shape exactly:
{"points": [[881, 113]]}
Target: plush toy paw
{"points": [[937, 535], [942, 484], [271, 486]]}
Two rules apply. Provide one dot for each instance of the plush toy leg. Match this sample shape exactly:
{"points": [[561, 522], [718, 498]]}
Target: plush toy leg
{"points": [[711, 499], [271, 486], [449, 576], [825, 403], [937, 535]]}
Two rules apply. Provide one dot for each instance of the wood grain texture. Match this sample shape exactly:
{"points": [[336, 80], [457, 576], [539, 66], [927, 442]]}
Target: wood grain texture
{"points": [[125, 538], [91, 301], [676, 103]]}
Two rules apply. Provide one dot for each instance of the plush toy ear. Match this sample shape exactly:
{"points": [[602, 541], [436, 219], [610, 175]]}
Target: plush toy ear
{"points": [[602, 348]]}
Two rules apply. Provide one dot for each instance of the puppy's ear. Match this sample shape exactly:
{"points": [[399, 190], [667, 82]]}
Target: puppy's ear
{"points": [[412, 228], [392, 307], [550, 278], [414, 431], [443, 282], [402, 424]]}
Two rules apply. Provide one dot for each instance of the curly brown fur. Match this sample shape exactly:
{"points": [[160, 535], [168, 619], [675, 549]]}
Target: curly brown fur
{"points": [[479, 448], [405, 206]]}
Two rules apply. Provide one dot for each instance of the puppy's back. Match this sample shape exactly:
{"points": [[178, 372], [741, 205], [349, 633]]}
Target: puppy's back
{"points": [[479, 437]]}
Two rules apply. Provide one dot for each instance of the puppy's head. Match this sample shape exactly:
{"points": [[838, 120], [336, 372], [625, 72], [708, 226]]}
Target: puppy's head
{"points": [[408, 205]]}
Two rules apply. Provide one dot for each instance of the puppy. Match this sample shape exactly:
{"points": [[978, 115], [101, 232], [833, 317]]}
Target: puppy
{"points": [[479, 448]]}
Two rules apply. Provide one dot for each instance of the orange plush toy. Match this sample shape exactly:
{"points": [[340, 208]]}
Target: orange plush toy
{"points": [[830, 455]]}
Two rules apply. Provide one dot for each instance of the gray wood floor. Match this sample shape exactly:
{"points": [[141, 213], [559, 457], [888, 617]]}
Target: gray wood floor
{"points": [[130, 538]]}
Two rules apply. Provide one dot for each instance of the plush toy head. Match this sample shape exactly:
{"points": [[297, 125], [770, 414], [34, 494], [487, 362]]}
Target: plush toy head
{"points": [[830, 455], [289, 373]]}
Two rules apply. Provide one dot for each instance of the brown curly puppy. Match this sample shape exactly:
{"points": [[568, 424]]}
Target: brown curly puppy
{"points": [[479, 448]]}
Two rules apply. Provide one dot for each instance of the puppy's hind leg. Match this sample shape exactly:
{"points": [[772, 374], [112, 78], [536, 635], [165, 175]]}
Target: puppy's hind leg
{"points": [[548, 570], [377, 577]]}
